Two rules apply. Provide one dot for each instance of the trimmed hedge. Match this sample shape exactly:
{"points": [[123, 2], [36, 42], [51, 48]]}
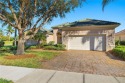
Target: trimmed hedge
{"points": [[119, 51], [55, 47], [49, 47], [32, 47]]}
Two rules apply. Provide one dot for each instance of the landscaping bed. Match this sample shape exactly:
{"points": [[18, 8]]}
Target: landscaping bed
{"points": [[49, 46], [119, 51], [20, 56]]}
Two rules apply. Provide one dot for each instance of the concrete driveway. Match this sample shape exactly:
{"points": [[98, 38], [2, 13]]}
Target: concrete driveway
{"points": [[91, 62]]}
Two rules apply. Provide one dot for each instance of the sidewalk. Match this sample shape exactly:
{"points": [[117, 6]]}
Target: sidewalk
{"points": [[31, 75]]}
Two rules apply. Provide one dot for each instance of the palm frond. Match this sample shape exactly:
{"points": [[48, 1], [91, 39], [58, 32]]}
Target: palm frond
{"points": [[105, 2]]}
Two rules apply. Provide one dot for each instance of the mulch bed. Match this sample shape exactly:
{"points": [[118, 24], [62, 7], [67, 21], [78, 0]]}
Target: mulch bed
{"points": [[20, 56]]}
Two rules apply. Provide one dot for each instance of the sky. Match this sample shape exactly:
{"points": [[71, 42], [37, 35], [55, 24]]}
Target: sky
{"points": [[92, 9]]}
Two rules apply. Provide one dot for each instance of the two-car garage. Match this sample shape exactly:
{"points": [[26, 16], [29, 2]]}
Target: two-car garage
{"points": [[88, 34], [87, 42]]}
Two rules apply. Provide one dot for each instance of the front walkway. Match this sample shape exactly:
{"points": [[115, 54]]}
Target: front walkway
{"points": [[92, 62], [30, 75]]}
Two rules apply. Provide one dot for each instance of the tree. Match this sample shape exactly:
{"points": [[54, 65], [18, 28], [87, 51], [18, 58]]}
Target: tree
{"points": [[23, 13], [9, 30]]}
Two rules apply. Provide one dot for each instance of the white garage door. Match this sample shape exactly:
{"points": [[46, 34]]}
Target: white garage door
{"points": [[87, 43]]}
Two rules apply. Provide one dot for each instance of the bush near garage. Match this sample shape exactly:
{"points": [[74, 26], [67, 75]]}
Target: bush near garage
{"points": [[119, 51], [120, 43], [52, 46]]}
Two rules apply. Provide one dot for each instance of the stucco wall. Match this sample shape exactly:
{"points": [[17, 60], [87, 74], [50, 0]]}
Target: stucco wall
{"points": [[55, 31], [110, 37], [49, 38]]}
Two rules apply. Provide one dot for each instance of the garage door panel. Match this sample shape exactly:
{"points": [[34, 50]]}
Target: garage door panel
{"points": [[78, 43], [99, 43], [87, 43]]}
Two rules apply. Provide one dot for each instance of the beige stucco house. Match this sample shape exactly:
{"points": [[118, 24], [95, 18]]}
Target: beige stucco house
{"points": [[120, 35], [88, 34]]}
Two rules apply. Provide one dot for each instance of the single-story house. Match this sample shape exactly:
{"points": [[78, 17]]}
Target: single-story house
{"points": [[120, 35], [88, 34]]}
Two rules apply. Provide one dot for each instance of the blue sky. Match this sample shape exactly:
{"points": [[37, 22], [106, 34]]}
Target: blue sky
{"points": [[114, 11]]}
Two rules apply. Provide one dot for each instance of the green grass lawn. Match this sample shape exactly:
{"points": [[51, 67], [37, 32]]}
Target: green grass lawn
{"points": [[8, 43], [30, 62], [5, 81]]}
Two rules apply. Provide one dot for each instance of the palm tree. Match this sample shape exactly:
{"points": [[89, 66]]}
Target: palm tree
{"points": [[15, 32], [9, 30], [105, 2]]}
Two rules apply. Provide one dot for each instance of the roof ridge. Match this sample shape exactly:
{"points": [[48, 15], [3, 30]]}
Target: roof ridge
{"points": [[87, 22]]}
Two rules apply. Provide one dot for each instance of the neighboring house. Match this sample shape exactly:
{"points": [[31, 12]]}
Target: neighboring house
{"points": [[120, 35], [86, 34]]}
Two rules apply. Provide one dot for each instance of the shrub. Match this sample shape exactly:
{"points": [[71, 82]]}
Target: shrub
{"points": [[117, 42], [1, 43], [5, 81], [51, 43], [32, 47], [49, 47], [55, 47], [43, 44], [5, 48], [60, 46], [13, 48], [8, 48], [119, 51], [120, 43]]}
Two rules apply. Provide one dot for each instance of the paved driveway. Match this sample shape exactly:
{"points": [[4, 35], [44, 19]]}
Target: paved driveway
{"points": [[92, 62]]}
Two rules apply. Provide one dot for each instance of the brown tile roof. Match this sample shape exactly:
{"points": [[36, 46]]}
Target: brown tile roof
{"points": [[86, 22]]}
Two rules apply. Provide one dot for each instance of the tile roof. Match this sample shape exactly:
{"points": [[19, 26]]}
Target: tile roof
{"points": [[120, 32], [86, 22]]}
